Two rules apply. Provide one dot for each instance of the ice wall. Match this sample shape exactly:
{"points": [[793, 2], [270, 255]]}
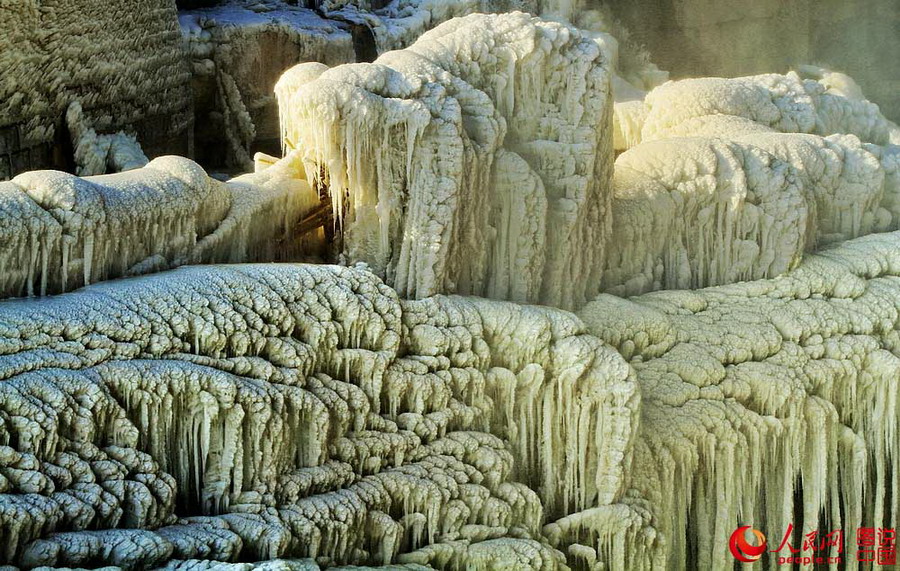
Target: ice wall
{"points": [[429, 153], [286, 411], [290, 411]]}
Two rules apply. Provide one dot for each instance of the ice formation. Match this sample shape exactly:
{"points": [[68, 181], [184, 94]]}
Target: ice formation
{"points": [[289, 411], [266, 411], [298, 417], [239, 48], [432, 154], [96, 154], [60, 232], [121, 62], [786, 103], [237, 51], [733, 179], [765, 402], [696, 211], [396, 25]]}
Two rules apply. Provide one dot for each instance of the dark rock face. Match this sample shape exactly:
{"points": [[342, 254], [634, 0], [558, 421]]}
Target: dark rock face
{"points": [[123, 62]]}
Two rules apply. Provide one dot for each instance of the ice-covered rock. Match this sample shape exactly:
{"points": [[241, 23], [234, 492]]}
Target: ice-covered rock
{"points": [[272, 411], [238, 50], [461, 162], [733, 179], [764, 403], [60, 232], [787, 103]]}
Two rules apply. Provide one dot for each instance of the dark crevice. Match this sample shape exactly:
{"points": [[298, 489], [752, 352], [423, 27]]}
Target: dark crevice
{"points": [[363, 42]]}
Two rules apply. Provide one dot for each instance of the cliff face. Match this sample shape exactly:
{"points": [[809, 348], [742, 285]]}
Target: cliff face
{"points": [[121, 60]]}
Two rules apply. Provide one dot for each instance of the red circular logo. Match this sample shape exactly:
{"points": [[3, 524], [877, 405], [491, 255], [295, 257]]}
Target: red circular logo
{"points": [[742, 549]]}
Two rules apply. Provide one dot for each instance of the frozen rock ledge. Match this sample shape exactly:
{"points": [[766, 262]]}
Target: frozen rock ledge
{"points": [[264, 411]]}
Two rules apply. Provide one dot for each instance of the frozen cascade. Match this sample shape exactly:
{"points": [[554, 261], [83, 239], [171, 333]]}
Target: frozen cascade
{"points": [[735, 179], [479, 98], [753, 390], [316, 416], [265, 411]]}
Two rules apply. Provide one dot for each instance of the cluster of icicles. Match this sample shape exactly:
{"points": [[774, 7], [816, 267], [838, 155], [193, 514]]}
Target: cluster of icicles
{"points": [[60, 232], [309, 416], [290, 411]]}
